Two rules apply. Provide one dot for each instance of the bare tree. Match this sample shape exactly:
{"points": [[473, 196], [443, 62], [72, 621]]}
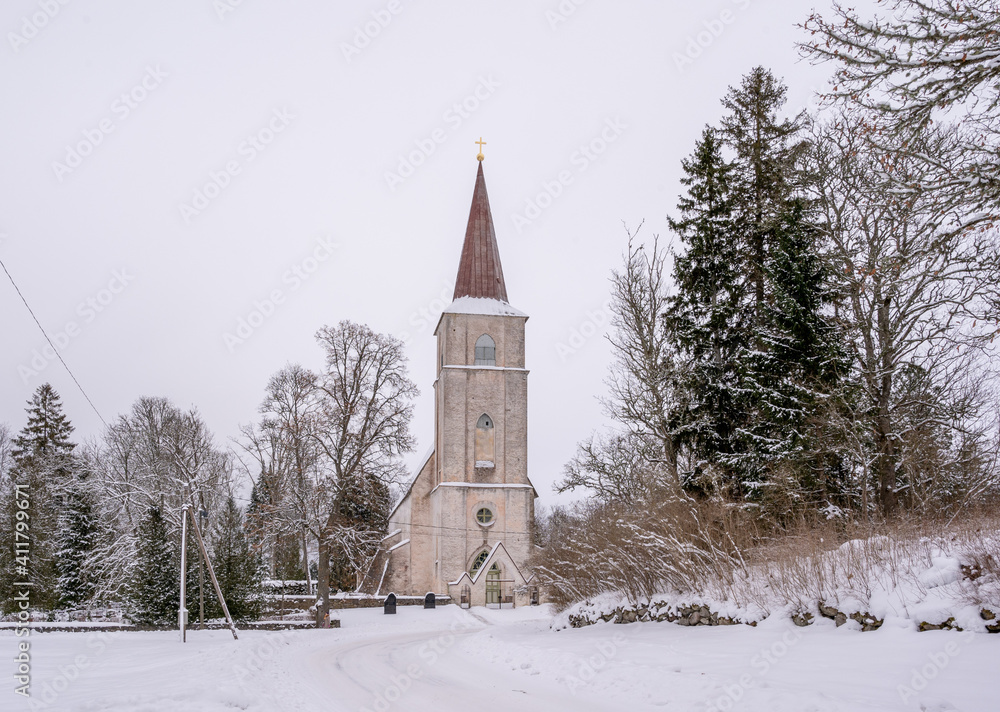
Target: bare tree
{"points": [[285, 454], [931, 60], [365, 408], [916, 294], [152, 457], [621, 467], [643, 382]]}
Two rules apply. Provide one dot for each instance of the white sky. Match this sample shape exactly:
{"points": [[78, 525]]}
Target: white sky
{"points": [[548, 84]]}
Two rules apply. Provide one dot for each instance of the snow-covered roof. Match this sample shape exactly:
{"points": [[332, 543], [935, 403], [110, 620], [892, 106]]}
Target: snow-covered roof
{"points": [[482, 305], [423, 462], [486, 564]]}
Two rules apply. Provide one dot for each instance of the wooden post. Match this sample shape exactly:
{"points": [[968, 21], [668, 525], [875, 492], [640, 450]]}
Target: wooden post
{"points": [[201, 582], [182, 610], [215, 582]]}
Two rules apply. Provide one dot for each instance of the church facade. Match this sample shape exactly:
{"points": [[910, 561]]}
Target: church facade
{"points": [[464, 525]]}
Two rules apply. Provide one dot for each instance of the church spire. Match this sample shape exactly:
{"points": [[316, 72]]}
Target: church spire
{"points": [[479, 271]]}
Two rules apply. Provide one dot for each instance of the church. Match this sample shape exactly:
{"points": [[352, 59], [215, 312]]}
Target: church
{"points": [[463, 527]]}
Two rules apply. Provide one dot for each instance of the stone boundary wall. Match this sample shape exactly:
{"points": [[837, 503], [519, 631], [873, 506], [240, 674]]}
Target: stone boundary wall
{"points": [[695, 615], [256, 625]]}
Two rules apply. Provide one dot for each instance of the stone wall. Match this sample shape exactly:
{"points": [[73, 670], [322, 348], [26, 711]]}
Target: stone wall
{"points": [[696, 614]]}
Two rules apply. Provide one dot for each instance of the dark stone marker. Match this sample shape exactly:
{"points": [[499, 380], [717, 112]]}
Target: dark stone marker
{"points": [[429, 601], [389, 607]]}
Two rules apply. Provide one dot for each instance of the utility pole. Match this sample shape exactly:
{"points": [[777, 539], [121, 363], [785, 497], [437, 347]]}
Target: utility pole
{"points": [[203, 516], [182, 610], [215, 581]]}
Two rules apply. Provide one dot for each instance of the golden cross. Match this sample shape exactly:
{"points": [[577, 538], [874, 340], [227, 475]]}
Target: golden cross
{"points": [[481, 144]]}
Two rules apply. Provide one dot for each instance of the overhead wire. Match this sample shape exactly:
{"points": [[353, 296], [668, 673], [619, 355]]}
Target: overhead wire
{"points": [[54, 349]]}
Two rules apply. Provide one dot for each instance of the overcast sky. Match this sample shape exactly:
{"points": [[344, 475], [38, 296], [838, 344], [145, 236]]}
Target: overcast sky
{"points": [[169, 169]]}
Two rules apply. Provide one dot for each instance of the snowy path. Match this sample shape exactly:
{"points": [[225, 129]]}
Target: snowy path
{"points": [[437, 660]]}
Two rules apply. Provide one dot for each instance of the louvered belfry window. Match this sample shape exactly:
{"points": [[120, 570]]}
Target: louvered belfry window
{"points": [[486, 351]]}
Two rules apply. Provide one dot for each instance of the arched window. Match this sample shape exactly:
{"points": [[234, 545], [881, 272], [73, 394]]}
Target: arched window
{"points": [[486, 351], [485, 441], [478, 562]]}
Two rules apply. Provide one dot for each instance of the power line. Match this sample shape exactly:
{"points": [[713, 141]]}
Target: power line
{"points": [[54, 349]]}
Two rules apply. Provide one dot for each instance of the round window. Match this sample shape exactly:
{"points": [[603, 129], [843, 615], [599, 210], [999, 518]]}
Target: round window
{"points": [[484, 516]]}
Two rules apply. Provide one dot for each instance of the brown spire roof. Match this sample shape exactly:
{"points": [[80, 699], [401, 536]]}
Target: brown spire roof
{"points": [[479, 272]]}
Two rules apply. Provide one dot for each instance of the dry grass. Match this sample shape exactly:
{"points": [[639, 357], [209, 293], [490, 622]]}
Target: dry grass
{"points": [[713, 552]]}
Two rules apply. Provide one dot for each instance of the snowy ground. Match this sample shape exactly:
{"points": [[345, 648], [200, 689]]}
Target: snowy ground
{"points": [[427, 660]]}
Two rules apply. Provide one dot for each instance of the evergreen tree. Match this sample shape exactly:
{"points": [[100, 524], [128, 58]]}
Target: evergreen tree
{"points": [[796, 376], [76, 540], [155, 589], [43, 464], [792, 352], [48, 431], [363, 508], [763, 167], [704, 317], [279, 551], [237, 567]]}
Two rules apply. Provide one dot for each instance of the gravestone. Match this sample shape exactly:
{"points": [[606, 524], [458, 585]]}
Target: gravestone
{"points": [[389, 607], [429, 601]]}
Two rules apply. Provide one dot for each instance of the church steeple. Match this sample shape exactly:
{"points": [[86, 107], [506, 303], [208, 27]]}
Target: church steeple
{"points": [[479, 271]]}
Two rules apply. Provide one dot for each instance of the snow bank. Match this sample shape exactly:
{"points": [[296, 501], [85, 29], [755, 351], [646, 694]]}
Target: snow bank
{"points": [[925, 584]]}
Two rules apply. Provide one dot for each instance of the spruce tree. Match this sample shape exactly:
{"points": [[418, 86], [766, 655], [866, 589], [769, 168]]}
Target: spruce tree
{"points": [[704, 317], [48, 431], [237, 567], [363, 505], [76, 540], [797, 374], [43, 464], [763, 166], [791, 346], [155, 587]]}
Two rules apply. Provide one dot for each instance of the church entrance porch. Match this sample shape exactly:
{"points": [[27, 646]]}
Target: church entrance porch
{"points": [[499, 592]]}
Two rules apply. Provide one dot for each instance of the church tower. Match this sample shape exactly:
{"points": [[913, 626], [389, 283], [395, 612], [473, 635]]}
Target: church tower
{"points": [[464, 526]]}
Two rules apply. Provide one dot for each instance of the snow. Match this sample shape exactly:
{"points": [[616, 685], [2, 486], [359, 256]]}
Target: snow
{"points": [[901, 582], [482, 305], [422, 660]]}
